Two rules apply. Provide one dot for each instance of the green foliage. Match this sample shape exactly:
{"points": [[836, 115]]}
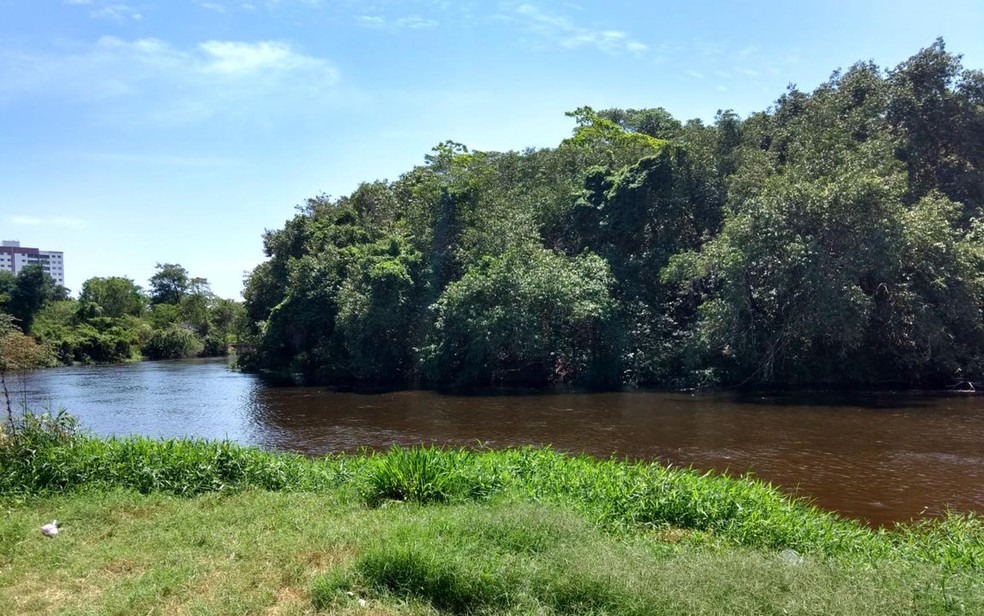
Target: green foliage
{"points": [[420, 475], [530, 316], [46, 454], [657, 123], [112, 321], [33, 433], [833, 239], [603, 138], [378, 305], [113, 297], [169, 284], [173, 342], [32, 290], [7, 283], [79, 334]]}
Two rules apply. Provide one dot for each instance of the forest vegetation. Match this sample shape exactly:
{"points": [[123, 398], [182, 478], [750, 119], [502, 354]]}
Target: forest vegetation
{"points": [[834, 239], [113, 320]]}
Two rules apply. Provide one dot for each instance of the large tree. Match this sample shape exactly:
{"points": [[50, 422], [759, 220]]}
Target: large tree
{"points": [[115, 296], [169, 284], [33, 289]]}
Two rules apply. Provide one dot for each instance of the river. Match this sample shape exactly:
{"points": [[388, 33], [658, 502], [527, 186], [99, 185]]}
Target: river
{"points": [[880, 457]]}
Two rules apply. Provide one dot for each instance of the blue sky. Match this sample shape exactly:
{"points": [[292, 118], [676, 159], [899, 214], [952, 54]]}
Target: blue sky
{"points": [[135, 131]]}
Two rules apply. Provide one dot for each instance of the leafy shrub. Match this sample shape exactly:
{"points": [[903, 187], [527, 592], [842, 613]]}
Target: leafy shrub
{"points": [[530, 316], [419, 474], [173, 342]]}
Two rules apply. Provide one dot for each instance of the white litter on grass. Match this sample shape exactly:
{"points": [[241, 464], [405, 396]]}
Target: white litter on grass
{"points": [[50, 530], [362, 602]]}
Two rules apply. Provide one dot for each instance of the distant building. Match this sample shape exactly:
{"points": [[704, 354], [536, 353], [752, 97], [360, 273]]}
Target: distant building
{"points": [[13, 258]]}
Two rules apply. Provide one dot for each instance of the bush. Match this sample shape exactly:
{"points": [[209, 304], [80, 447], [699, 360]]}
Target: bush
{"points": [[173, 342], [530, 316], [420, 475]]}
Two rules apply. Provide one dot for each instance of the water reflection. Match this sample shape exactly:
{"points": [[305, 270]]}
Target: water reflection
{"points": [[881, 457]]}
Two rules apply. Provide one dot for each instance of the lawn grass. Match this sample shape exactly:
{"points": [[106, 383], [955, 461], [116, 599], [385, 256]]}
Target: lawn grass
{"points": [[262, 552], [193, 527]]}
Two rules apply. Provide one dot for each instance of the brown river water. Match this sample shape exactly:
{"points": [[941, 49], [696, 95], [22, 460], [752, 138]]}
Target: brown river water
{"points": [[878, 457]]}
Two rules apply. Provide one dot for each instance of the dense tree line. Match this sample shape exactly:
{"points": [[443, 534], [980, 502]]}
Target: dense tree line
{"points": [[116, 320], [834, 239]]}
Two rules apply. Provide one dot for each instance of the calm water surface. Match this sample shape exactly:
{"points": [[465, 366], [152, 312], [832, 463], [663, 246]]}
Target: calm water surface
{"points": [[878, 457]]}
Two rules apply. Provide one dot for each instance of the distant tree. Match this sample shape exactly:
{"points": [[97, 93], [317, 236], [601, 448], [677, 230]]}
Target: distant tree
{"points": [[195, 305], [8, 280], [115, 296], [163, 315], [32, 290], [658, 122], [169, 285]]}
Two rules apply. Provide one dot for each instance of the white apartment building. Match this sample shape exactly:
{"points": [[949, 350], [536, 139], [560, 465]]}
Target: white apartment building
{"points": [[13, 257]]}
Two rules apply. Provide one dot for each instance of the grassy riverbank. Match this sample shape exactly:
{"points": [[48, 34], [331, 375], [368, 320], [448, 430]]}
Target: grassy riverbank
{"points": [[212, 528]]}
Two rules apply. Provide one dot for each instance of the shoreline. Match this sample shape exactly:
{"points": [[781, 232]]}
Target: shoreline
{"points": [[426, 530]]}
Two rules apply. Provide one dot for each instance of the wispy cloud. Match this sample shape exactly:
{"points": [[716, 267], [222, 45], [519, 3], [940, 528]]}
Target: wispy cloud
{"points": [[730, 63], [250, 5], [108, 9], [236, 58], [562, 31], [413, 22], [56, 221], [117, 12], [215, 7], [172, 84]]}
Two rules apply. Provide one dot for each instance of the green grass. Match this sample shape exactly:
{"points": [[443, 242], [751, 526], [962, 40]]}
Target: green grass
{"points": [[535, 559], [214, 528], [261, 552]]}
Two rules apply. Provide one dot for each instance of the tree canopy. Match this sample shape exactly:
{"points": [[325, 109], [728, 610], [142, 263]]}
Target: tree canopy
{"points": [[833, 239]]}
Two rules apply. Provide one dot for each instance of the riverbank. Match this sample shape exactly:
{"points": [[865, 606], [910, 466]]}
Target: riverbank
{"points": [[205, 527]]}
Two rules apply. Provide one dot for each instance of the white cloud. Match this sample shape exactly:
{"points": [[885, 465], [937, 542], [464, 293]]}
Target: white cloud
{"points": [[560, 30], [415, 22], [57, 221], [412, 22], [371, 21], [235, 57], [221, 6], [108, 9], [167, 83], [117, 12]]}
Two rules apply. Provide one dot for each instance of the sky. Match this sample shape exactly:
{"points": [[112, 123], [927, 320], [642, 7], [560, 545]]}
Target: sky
{"points": [[137, 132]]}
